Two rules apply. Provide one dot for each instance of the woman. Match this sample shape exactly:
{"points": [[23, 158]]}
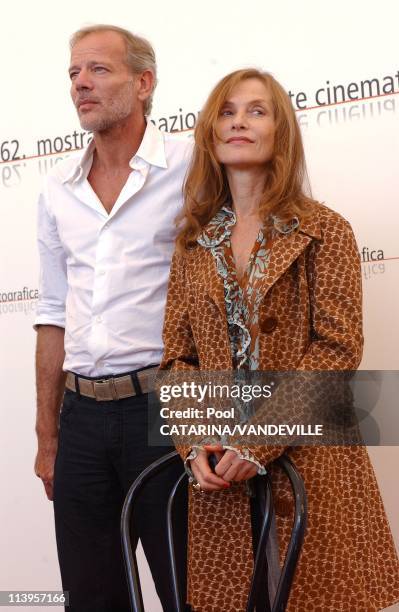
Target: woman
{"points": [[265, 278]]}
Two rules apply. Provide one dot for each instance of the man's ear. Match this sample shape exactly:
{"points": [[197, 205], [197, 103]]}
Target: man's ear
{"points": [[145, 85]]}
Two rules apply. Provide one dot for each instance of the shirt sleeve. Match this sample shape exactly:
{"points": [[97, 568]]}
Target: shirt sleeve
{"points": [[53, 275]]}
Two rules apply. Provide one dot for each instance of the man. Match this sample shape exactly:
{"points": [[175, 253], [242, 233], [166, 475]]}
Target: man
{"points": [[106, 218]]}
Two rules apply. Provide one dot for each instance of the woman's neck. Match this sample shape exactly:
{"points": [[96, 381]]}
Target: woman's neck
{"points": [[246, 188]]}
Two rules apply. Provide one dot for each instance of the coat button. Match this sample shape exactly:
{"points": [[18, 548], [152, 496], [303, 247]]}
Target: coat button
{"points": [[268, 325]]}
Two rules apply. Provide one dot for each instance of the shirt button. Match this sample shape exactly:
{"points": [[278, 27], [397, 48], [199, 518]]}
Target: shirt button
{"points": [[101, 272], [106, 226], [99, 319]]}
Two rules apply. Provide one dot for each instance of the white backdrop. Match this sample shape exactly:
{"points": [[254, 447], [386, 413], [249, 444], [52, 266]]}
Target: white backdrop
{"points": [[351, 147]]}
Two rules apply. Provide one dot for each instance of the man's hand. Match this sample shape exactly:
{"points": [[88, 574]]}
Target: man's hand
{"points": [[231, 467], [44, 465]]}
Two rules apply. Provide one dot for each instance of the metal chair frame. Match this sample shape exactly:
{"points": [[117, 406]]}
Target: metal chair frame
{"points": [[265, 495]]}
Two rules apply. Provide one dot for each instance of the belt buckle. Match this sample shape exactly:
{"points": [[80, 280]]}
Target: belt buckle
{"points": [[105, 390]]}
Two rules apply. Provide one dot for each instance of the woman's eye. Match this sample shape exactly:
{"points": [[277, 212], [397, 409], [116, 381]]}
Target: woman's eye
{"points": [[226, 113], [258, 111]]}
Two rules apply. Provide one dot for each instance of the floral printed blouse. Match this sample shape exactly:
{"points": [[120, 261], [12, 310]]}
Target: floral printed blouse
{"points": [[242, 298]]}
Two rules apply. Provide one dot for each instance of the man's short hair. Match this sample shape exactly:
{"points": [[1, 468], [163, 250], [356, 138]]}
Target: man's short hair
{"points": [[140, 55]]}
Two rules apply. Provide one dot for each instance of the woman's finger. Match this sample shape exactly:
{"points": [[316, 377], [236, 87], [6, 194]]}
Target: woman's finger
{"points": [[213, 448], [246, 472], [231, 467], [204, 475], [228, 459]]}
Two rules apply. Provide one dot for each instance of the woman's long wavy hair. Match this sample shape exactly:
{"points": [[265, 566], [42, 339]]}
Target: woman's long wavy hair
{"points": [[206, 188]]}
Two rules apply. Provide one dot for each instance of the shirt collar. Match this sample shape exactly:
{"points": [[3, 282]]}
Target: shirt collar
{"points": [[152, 147], [219, 228], [151, 151], [80, 164]]}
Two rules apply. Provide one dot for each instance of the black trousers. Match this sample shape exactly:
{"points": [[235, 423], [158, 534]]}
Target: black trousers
{"points": [[102, 449]]}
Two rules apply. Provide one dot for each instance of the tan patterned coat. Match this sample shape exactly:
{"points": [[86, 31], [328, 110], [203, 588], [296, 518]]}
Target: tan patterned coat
{"points": [[310, 319]]}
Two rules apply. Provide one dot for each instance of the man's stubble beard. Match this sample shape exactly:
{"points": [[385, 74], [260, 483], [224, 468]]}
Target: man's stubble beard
{"points": [[115, 111]]}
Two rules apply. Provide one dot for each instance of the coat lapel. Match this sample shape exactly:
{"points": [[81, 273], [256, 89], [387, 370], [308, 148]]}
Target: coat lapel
{"points": [[285, 249]]}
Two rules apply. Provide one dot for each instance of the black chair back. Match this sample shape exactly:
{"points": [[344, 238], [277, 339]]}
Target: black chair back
{"points": [[264, 497]]}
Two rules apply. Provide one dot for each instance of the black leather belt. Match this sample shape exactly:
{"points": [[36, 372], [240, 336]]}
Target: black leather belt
{"points": [[114, 387]]}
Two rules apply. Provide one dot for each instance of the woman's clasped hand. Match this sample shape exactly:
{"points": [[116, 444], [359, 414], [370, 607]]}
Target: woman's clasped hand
{"points": [[229, 468]]}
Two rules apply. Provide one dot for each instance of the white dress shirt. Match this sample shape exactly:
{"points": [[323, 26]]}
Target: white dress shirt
{"points": [[104, 276]]}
